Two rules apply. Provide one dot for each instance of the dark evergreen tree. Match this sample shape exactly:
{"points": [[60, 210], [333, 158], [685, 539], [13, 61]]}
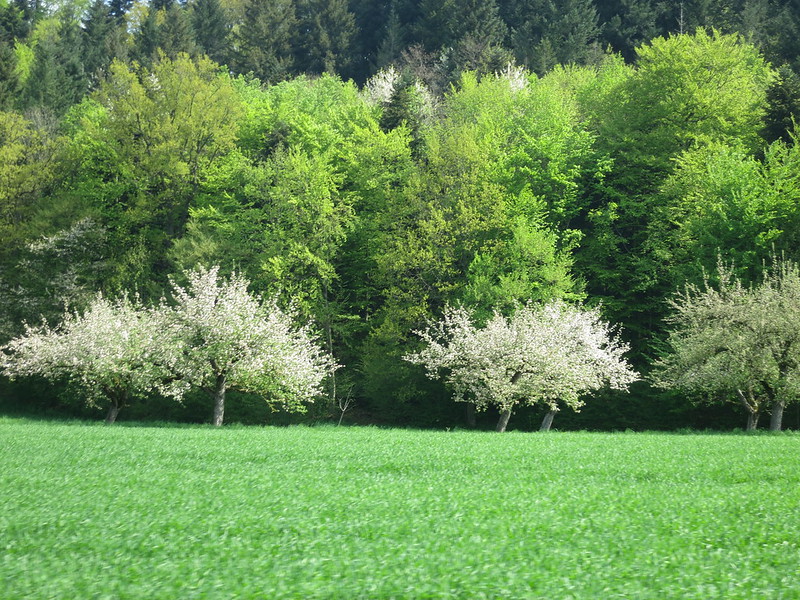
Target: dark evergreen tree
{"points": [[393, 40], [161, 4], [431, 29], [176, 33], [9, 82], [328, 36], [57, 79], [12, 23], [119, 8], [479, 19], [211, 30], [12, 27], [267, 39], [626, 24], [147, 40], [783, 111], [98, 25], [556, 32]]}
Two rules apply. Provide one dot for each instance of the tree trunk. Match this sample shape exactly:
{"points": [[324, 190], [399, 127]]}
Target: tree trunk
{"points": [[113, 411], [503, 422], [470, 415], [752, 420], [751, 406], [219, 400], [776, 421], [547, 422]]}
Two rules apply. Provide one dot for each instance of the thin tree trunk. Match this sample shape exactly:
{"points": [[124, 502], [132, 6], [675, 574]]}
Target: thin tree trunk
{"points": [[547, 422], [776, 421], [329, 341], [470, 414], [113, 411], [219, 400], [752, 420], [752, 410], [503, 422]]}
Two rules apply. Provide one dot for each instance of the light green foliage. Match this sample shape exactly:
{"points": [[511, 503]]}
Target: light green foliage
{"points": [[728, 342], [314, 512], [686, 92], [25, 168], [720, 199], [501, 169], [145, 146]]}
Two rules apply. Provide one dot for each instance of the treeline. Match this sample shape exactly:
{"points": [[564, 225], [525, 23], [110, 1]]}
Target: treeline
{"points": [[52, 54], [371, 208]]}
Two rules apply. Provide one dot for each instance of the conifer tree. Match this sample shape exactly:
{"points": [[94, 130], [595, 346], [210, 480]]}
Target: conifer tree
{"points": [[393, 40], [175, 33], [329, 31], [211, 30], [266, 39], [97, 26], [119, 8], [147, 40]]}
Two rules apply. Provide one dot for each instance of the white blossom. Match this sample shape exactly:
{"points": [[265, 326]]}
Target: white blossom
{"points": [[107, 350], [516, 76], [381, 86], [216, 335], [542, 354]]}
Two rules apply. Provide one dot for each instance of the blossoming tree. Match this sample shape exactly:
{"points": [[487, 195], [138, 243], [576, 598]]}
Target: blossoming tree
{"points": [[217, 335], [548, 354], [732, 342], [108, 350]]}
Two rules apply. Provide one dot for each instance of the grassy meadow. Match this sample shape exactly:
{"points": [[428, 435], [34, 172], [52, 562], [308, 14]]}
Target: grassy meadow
{"points": [[139, 512]]}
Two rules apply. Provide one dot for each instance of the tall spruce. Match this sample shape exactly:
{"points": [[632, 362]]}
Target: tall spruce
{"points": [[97, 26], [267, 38], [176, 34], [211, 30], [328, 36]]}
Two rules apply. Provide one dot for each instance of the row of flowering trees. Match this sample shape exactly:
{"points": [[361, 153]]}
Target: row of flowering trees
{"points": [[214, 334], [727, 341]]}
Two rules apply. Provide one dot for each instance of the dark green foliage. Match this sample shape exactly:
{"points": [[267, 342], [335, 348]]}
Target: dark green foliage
{"points": [[119, 8], [548, 33], [626, 24], [57, 79], [176, 34], [97, 28], [393, 40], [211, 30], [267, 39], [328, 31], [783, 110], [148, 39]]}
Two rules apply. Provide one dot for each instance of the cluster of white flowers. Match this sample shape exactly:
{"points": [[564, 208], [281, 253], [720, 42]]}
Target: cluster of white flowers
{"points": [[542, 354], [516, 76], [380, 87]]}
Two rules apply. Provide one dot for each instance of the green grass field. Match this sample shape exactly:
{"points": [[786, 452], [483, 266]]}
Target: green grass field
{"points": [[88, 511]]}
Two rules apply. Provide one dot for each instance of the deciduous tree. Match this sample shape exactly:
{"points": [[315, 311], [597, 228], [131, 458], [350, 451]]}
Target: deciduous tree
{"points": [[548, 354], [107, 350], [733, 343], [217, 335]]}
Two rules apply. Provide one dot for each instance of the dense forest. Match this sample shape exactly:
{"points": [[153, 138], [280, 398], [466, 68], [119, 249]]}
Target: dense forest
{"points": [[371, 163]]}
